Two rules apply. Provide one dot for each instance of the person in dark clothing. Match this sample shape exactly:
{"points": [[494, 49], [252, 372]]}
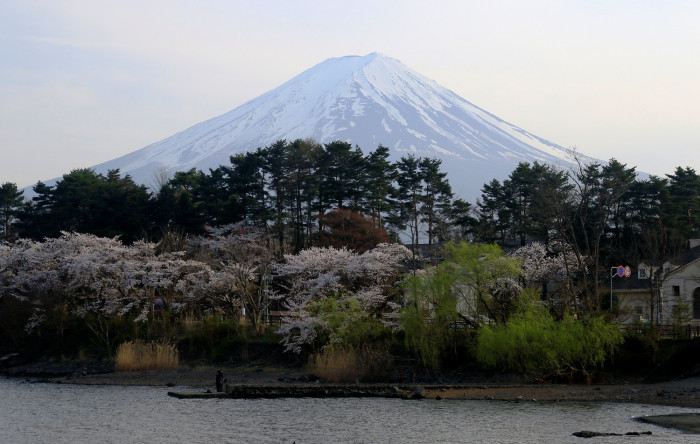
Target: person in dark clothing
{"points": [[219, 381]]}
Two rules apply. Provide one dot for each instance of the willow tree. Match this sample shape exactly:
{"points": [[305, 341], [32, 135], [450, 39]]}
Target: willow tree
{"points": [[474, 282]]}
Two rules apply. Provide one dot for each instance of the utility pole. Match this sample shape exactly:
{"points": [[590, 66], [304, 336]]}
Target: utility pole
{"points": [[618, 271]]}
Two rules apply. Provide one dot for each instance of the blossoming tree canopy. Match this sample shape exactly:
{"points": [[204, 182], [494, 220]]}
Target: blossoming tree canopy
{"points": [[316, 274]]}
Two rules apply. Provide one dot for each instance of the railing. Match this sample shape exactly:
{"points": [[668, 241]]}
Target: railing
{"points": [[667, 331]]}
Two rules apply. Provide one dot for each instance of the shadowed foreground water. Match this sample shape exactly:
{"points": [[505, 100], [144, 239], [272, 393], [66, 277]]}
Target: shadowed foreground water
{"points": [[55, 413]]}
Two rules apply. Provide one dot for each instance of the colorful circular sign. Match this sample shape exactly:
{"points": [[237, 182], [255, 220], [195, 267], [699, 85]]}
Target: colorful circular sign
{"points": [[628, 272], [620, 271]]}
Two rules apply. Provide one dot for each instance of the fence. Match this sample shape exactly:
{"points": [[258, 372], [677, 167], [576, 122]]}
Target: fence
{"points": [[666, 331]]}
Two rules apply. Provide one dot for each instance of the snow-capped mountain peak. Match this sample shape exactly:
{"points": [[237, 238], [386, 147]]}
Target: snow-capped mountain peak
{"points": [[367, 101]]}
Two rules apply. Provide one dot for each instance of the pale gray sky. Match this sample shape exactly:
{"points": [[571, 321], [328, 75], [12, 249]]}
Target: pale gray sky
{"points": [[83, 82]]}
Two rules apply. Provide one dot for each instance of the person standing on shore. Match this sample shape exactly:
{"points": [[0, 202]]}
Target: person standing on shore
{"points": [[219, 381]]}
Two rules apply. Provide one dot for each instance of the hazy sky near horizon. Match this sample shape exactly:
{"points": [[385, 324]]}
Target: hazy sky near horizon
{"points": [[83, 82]]}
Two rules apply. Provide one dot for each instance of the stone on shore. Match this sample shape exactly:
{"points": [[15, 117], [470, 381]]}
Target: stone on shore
{"points": [[589, 434], [417, 392], [687, 422]]}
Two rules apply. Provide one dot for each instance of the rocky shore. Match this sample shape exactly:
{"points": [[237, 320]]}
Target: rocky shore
{"points": [[681, 392]]}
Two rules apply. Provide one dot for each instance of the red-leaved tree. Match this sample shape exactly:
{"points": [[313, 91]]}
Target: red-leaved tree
{"points": [[350, 229]]}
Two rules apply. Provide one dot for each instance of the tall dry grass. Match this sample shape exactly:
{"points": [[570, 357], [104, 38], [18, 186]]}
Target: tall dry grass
{"points": [[135, 356], [347, 364]]}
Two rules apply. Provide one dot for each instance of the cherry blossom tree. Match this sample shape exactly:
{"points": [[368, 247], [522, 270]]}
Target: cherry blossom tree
{"points": [[80, 274], [553, 265], [242, 260], [314, 275], [85, 277]]}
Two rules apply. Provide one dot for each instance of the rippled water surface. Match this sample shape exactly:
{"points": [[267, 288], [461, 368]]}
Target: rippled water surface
{"points": [[51, 413]]}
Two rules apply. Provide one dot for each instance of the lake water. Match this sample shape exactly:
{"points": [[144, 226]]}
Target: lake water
{"points": [[62, 413]]}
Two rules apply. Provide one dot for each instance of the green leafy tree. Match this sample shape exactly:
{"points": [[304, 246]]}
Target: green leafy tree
{"points": [[486, 278], [469, 283], [124, 208], [429, 317], [344, 320], [533, 342]]}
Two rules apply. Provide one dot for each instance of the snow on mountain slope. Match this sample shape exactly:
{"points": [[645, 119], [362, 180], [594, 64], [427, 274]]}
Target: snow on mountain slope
{"points": [[366, 101]]}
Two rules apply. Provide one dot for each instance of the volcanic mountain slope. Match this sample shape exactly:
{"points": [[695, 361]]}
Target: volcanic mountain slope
{"points": [[366, 101]]}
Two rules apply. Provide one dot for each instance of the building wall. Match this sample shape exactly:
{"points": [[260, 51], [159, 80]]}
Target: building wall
{"points": [[629, 303], [681, 285]]}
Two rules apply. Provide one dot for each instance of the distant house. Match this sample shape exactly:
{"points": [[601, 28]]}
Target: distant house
{"points": [[681, 288], [637, 296], [656, 287]]}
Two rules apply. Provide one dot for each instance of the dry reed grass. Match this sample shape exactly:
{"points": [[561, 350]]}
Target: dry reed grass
{"points": [[135, 356]]}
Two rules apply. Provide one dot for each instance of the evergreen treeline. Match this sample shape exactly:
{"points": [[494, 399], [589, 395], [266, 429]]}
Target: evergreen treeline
{"points": [[292, 189], [603, 213]]}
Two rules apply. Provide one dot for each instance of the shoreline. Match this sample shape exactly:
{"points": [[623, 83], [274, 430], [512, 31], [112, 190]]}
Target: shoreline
{"points": [[680, 393]]}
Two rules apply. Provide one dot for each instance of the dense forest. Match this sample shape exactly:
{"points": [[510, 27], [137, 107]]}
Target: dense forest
{"points": [[315, 230], [301, 190]]}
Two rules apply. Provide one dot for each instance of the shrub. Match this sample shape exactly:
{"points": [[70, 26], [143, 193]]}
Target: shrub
{"points": [[347, 364], [210, 336], [535, 343], [137, 356]]}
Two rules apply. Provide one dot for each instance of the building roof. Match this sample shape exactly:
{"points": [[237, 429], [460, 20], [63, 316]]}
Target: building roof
{"points": [[630, 283], [656, 263], [686, 257]]}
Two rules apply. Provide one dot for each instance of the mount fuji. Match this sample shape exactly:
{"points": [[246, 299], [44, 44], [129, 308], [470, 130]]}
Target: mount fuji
{"points": [[366, 101]]}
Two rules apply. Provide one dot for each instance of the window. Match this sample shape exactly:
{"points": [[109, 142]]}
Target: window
{"points": [[696, 304], [676, 290], [639, 310]]}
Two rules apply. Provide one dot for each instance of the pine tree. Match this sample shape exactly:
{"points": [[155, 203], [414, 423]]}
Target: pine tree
{"points": [[437, 195], [407, 200], [682, 208], [275, 178], [493, 213], [341, 171], [11, 201], [178, 203], [303, 187], [379, 184]]}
